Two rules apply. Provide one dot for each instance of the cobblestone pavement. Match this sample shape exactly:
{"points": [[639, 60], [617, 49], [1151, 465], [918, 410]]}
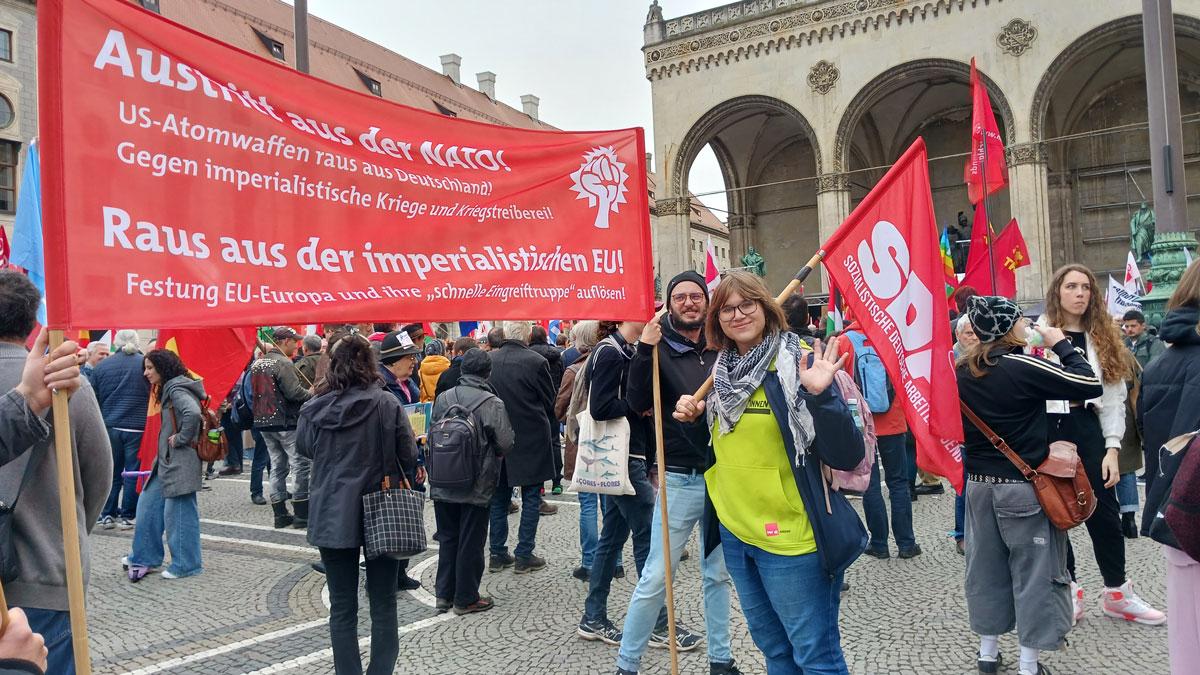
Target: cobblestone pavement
{"points": [[259, 608]]}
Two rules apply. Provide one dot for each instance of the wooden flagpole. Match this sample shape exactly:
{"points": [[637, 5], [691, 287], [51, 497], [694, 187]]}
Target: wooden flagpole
{"points": [[70, 527], [662, 500], [794, 284]]}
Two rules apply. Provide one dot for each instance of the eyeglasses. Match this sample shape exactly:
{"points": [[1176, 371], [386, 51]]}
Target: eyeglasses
{"points": [[746, 307], [680, 298]]}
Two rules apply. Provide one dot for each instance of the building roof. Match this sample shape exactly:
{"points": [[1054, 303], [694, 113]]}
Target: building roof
{"points": [[344, 58]]}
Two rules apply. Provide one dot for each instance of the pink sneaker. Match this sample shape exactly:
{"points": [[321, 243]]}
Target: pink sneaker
{"points": [[1076, 602], [1123, 603]]}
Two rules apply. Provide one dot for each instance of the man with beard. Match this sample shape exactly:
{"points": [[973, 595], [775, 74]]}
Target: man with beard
{"points": [[684, 362]]}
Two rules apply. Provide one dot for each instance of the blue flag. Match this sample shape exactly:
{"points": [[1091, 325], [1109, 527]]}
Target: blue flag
{"points": [[27, 228], [465, 328], [554, 328]]}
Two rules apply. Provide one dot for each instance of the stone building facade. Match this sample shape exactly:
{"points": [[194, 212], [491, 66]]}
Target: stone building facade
{"points": [[18, 97], [813, 100]]}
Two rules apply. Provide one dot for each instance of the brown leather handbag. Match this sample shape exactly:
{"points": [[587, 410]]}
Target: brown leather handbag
{"points": [[1061, 485]]}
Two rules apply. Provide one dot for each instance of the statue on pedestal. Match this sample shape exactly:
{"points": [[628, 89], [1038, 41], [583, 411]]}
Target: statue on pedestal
{"points": [[1141, 233], [755, 262]]}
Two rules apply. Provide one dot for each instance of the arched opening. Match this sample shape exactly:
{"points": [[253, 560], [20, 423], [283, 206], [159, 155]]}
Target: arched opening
{"points": [[768, 159], [1090, 112], [929, 98]]}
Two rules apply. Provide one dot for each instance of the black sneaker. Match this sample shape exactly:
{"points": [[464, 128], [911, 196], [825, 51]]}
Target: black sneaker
{"points": [[442, 605], [1129, 525], [582, 573], [407, 583], [716, 668], [601, 630], [990, 666], [881, 553], [531, 564], [498, 562], [910, 552], [258, 499], [685, 640], [934, 489], [619, 573]]}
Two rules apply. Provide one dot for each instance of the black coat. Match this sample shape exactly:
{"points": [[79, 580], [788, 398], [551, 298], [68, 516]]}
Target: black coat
{"points": [[1170, 401], [521, 379], [450, 378], [495, 434], [554, 359], [607, 372], [354, 438]]}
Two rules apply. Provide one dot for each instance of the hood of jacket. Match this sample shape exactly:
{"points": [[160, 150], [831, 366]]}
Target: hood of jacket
{"points": [[195, 387], [434, 365], [476, 382], [342, 409], [1179, 326], [676, 340]]}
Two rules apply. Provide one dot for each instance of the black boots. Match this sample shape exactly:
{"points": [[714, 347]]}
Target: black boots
{"points": [[282, 517], [1129, 525], [300, 507]]}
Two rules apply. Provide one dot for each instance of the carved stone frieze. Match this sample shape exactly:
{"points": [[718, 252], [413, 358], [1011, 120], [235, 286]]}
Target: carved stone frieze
{"points": [[832, 182], [823, 76], [1025, 153], [1016, 36], [671, 206]]}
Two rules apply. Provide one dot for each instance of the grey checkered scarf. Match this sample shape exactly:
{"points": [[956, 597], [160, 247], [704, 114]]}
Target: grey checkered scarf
{"points": [[737, 377]]}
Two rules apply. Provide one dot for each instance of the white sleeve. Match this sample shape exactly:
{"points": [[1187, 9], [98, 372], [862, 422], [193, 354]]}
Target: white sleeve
{"points": [[1112, 413]]}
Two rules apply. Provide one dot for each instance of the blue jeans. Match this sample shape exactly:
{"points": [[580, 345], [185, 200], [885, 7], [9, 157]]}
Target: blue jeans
{"points": [[894, 458], [125, 446], [55, 629], [1127, 492], [685, 508], [180, 517], [262, 461], [960, 510], [791, 608], [590, 508], [531, 501], [623, 515]]}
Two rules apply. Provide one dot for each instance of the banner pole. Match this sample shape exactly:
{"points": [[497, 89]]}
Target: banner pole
{"points": [[660, 457], [987, 219], [792, 286], [70, 527]]}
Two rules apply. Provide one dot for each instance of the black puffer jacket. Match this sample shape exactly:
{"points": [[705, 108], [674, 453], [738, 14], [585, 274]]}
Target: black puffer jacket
{"points": [[553, 356], [1170, 401], [353, 437]]}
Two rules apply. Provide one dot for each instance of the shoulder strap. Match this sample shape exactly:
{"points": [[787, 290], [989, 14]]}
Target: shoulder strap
{"points": [[995, 440]]}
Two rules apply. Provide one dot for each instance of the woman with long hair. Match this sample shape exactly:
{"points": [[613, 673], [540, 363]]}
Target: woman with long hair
{"points": [[1095, 425], [1010, 582], [776, 420], [168, 499], [1170, 407], [355, 433]]}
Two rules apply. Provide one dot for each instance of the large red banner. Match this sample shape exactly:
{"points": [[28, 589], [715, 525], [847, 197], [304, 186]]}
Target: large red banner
{"points": [[189, 184], [887, 261]]}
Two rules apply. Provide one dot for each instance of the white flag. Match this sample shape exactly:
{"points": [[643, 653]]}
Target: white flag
{"points": [[1132, 274], [1187, 257], [1121, 299]]}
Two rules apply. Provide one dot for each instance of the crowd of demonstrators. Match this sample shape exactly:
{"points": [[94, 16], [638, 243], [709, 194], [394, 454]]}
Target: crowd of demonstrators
{"points": [[684, 363], [310, 355], [39, 587], [1095, 424], [354, 433], [1145, 345], [521, 379], [96, 352], [539, 343], [278, 395], [122, 391], [787, 539], [1170, 407], [624, 515], [167, 504]]}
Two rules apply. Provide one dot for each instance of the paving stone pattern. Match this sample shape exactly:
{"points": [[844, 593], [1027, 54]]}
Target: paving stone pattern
{"points": [[259, 609]]}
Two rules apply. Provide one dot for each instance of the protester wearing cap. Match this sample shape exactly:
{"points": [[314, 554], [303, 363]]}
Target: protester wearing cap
{"points": [[684, 362], [397, 361], [432, 366], [1011, 583], [278, 395]]}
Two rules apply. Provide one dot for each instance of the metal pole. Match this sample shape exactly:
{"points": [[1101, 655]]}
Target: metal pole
{"points": [[300, 13], [987, 219], [1166, 127]]}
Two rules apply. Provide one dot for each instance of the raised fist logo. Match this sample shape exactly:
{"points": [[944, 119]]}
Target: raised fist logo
{"points": [[601, 180]]}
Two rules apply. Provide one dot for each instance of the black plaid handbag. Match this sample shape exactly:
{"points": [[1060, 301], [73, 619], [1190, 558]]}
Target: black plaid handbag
{"points": [[394, 522]]}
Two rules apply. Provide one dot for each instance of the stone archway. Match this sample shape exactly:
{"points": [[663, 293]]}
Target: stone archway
{"points": [[929, 98], [1088, 121], [769, 160]]}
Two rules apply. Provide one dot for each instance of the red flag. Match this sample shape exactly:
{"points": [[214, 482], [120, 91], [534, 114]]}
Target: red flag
{"points": [[886, 258], [1010, 253], [5, 251], [712, 272], [985, 143], [216, 355]]}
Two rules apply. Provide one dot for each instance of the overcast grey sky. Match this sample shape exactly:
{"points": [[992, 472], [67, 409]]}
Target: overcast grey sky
{"points": [[582, 58]]}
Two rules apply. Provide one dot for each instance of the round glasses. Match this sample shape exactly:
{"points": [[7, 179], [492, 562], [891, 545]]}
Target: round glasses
{"points": [[745, 307]]}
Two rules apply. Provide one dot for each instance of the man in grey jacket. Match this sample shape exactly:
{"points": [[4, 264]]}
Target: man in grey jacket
{"points": [[278, 395], [40, 588]]}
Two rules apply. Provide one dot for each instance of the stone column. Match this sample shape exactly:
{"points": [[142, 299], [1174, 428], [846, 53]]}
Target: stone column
{"points": [[1029, 204], [672, 235], [833, 205], [741, 237]]}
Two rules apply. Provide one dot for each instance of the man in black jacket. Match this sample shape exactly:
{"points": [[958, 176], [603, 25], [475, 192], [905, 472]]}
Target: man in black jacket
{"points": [[278, 395], [449, 379], [684, 362], [521, 379]]}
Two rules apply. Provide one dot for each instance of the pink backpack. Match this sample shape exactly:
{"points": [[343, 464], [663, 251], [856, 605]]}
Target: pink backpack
{"points": [[859, 478]]}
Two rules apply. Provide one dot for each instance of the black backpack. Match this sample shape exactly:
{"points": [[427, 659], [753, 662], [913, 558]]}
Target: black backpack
{"points": [[455, 447]]}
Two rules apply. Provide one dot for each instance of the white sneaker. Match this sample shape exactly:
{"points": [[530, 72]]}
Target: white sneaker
{"points": [[1077, 602], [107, 522], [124, 524], [125, 565], [1123, 603]]}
